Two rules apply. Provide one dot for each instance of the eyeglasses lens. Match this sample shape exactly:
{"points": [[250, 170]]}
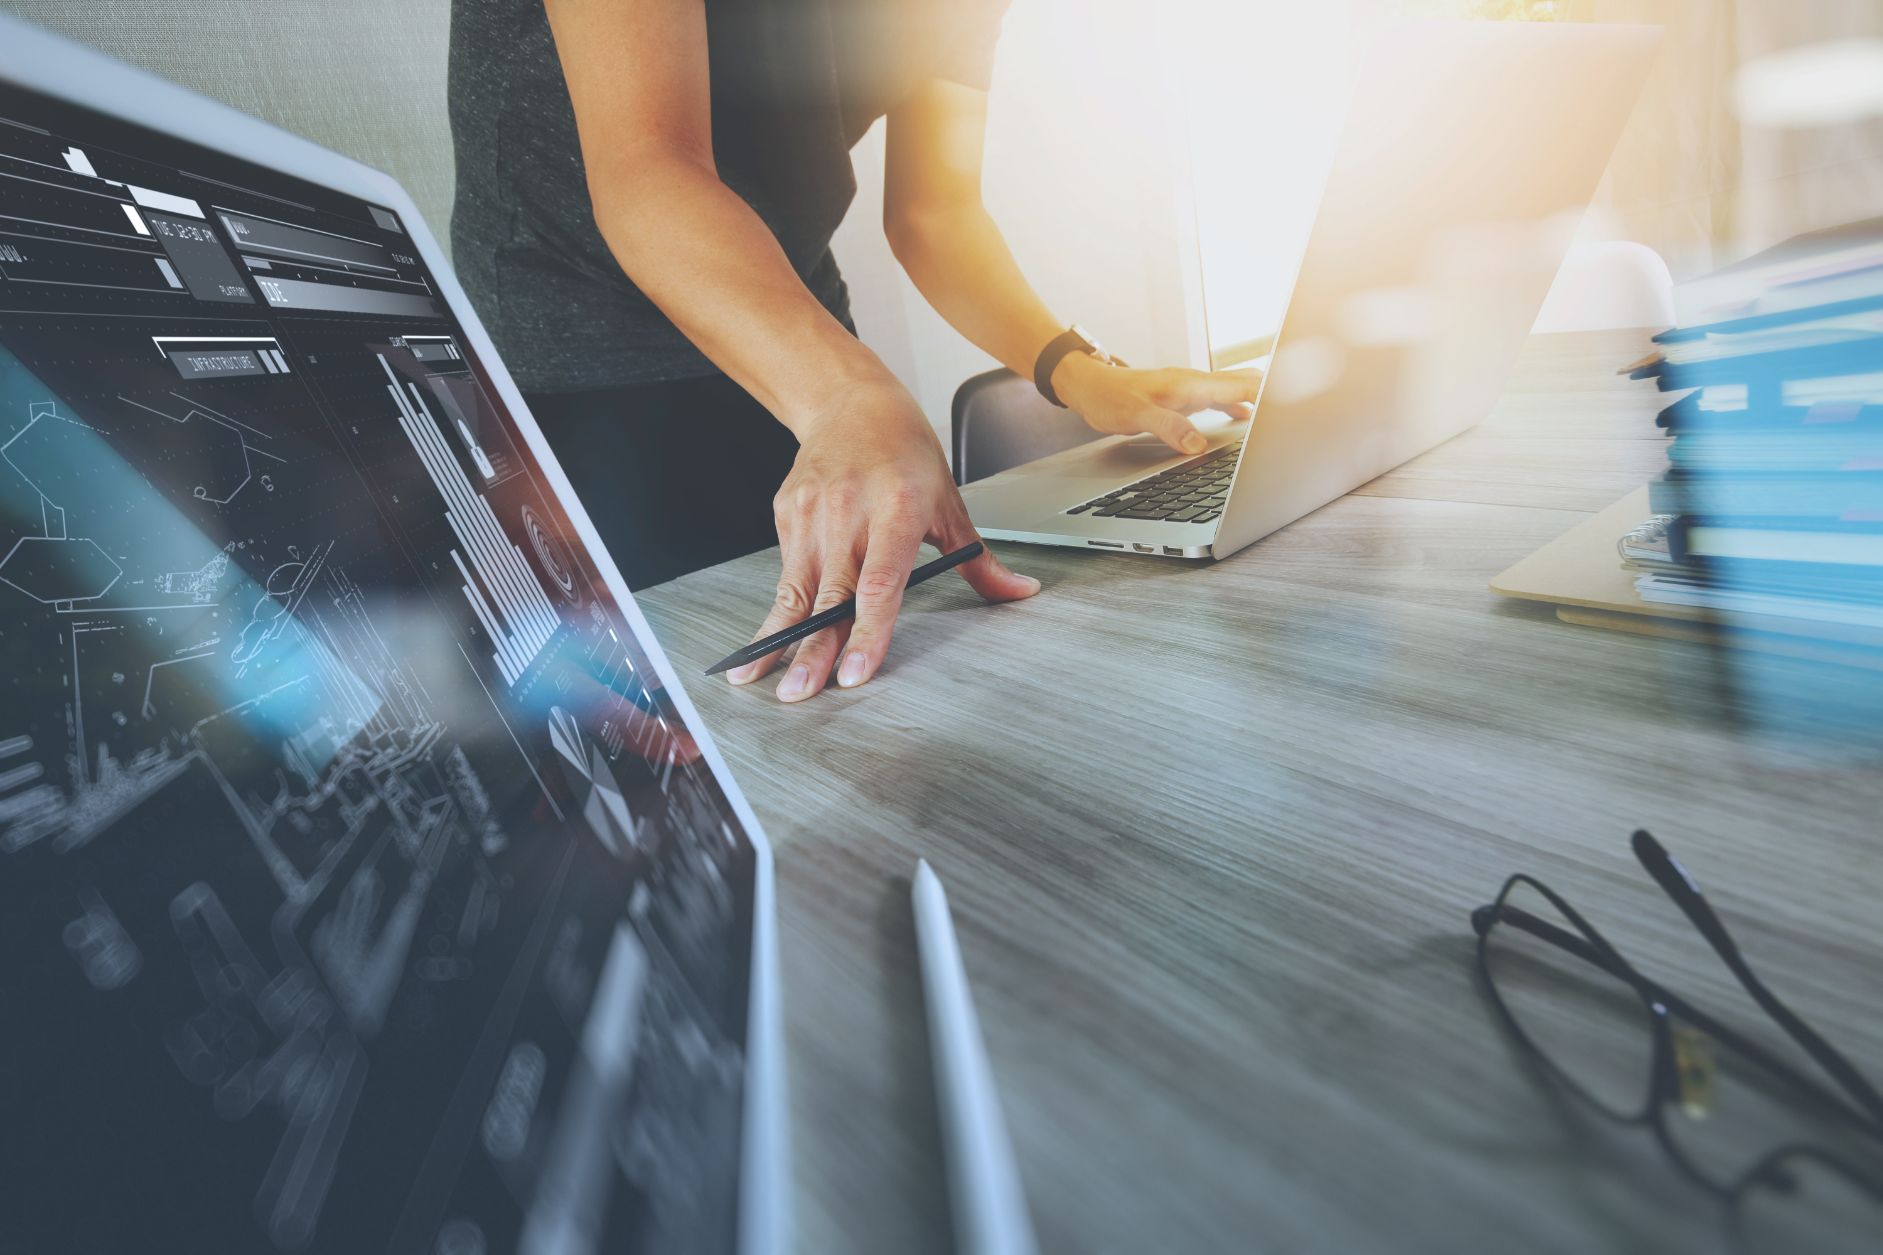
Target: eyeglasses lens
{"points": [[1588, 1023]]}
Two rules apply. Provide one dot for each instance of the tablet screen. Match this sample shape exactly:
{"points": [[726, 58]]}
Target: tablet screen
{"points": [[360, 887]]}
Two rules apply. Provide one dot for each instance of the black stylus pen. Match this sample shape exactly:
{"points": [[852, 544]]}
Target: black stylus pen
{"points": [[837, 613]]}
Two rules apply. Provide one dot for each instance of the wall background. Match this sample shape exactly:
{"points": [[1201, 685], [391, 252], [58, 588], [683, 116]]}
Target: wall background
{"points": [[1105, 114], [1701, 186]]}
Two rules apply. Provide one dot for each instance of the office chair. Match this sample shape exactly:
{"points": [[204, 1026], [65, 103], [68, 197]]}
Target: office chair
{"points": [[1001, 421]]}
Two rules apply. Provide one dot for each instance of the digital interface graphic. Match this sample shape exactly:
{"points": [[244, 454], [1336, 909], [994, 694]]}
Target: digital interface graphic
{"points": [[360, 887]]}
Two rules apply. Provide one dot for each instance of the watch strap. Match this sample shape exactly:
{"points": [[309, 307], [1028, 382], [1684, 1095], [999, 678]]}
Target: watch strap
{"points": [[1072, 340]]}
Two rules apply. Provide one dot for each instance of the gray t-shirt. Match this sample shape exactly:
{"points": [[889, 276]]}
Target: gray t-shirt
{"points": [[795, 83]]}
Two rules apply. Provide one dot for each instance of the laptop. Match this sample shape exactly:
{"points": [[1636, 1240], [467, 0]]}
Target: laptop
{"points": [[1468, 152], [367, 880]]}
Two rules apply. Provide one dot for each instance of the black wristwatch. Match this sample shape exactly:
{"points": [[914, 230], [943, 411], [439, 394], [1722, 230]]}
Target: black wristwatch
{"points": [[1072, 340]]}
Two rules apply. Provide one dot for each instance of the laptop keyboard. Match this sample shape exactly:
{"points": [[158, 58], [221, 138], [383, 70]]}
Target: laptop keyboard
{"points": [[1190, 492]]}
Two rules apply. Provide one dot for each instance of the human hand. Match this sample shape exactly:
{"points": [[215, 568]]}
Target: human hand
{"points": [[869, 485], [1119, 400]]}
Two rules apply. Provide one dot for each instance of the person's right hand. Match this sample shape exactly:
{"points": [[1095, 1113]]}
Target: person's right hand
{"points": [[1118, 400], [869, 485]]}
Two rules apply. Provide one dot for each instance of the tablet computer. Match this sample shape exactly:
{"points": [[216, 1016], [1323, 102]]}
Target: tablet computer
{"points": [[367, 881]]}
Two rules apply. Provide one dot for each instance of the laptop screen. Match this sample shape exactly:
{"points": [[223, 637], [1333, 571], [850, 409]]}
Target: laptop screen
{"points": [[360, 887]]}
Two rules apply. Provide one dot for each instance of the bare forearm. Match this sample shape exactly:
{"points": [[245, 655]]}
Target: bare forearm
{"points": [[708, 261], [957, 257], [961, 264]]}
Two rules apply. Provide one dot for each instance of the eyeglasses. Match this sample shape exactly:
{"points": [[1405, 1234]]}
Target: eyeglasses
{"points": [[1739, 1121]]}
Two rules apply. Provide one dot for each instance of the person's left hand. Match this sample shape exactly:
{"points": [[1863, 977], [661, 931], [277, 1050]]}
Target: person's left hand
{"points": [[1119, 400]]}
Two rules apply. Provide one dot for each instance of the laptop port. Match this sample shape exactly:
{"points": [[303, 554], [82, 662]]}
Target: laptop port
{"points": [[1107, 544], [1171, 551], [1145, 548]]}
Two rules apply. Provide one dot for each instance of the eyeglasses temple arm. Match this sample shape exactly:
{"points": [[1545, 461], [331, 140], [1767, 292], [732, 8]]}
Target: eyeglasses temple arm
{"points": [[1685, 891]]}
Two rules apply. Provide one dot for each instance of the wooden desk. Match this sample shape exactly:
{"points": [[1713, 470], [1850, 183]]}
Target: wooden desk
{"points": [[1212, 836]]}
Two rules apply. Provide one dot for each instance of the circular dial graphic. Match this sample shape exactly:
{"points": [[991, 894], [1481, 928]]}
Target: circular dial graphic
{"points": [[552, 554]]}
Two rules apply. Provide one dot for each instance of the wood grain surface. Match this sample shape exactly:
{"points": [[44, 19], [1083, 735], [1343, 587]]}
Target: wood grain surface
{"points": [[1212, 835]]}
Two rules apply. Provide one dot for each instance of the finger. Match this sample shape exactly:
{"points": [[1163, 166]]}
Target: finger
{"points": [[1176, 431], [837, 635], [796, 587], [817, 655], [986, 574], [1224, 390], [880, 586]]}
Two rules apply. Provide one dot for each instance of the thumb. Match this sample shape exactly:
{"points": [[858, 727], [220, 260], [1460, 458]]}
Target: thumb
{"points": [[1175, 430], [985, 574], [989, 576]]}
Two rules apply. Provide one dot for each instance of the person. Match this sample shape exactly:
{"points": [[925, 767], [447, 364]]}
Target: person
{"points": [[646, 194]]}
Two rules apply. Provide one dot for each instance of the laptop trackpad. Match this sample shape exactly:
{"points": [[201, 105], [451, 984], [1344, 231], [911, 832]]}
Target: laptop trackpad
{"points": [[1131, 458]]}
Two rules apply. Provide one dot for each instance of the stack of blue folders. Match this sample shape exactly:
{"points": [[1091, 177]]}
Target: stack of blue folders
{"points": [[1772, 504]]}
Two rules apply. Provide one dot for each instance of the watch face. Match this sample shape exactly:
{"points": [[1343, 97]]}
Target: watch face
{"points": [[1089, 345]]}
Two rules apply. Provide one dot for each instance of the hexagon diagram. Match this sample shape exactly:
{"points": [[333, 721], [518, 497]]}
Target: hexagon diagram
{"points": [[218, 457], [53, 454], [58, 569]]}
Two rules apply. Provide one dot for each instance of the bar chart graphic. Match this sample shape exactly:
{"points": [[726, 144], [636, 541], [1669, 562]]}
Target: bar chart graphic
{"points": [[504, 592]]}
